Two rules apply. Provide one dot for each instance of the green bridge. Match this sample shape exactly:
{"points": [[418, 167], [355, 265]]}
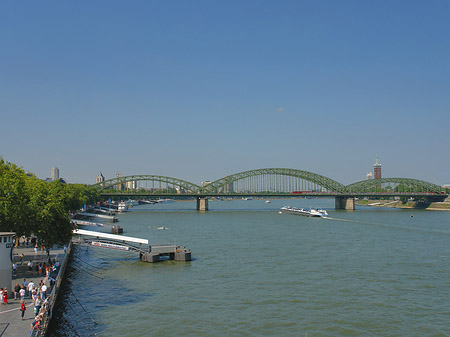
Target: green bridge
{"points": [[271, 182]]}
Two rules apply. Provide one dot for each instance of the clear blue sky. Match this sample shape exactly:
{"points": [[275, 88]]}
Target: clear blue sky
{"points": [[202, 89]]}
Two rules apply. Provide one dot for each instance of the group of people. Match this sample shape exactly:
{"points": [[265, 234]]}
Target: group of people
{"points": [[39, 296], [4, 295], [38, 293], [41, 268]]}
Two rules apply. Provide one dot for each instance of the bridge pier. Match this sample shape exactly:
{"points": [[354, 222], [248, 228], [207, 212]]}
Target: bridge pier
{"points": [[344, 203], [202, 204]]}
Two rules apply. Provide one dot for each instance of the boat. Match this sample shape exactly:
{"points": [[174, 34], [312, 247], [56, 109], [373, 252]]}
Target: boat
{"points": [[122, 207], [247, 198], [162, 228], [267, 202], [312, 212]]}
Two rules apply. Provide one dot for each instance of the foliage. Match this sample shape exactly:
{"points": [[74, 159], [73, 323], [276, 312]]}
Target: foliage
{"points": [[29, 205]]}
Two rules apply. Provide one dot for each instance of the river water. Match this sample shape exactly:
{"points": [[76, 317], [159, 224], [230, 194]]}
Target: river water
{"points": [[369, 272]]}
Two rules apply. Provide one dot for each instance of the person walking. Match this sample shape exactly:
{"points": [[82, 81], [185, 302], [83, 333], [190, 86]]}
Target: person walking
{"points": [[16, 291], [22, 293], [37, 306], [23, 307], [5, 296], [30, 287], [43, 291], [14, 268]]}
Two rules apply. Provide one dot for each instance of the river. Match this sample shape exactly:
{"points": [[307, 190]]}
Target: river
{"points": [[255, 272]]}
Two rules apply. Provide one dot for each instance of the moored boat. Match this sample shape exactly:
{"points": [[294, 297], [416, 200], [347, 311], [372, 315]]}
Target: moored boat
{"points": [[122, 207]]}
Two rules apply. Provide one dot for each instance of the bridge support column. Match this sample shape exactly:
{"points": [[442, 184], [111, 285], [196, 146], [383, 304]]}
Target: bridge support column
{"points": [[344, 203], [202, 204]]}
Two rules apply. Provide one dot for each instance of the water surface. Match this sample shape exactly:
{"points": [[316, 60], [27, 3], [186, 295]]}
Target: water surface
{"points": [[373, 271]]}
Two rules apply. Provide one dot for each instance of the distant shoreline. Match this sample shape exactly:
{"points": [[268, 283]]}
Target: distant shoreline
{"points": [[434, 206]]}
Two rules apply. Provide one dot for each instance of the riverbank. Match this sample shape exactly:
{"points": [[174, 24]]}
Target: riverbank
{"points": [[434, 206], [10, 314]]}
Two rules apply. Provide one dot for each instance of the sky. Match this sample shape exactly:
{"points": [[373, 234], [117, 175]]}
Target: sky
{"points": [[198, 90]]}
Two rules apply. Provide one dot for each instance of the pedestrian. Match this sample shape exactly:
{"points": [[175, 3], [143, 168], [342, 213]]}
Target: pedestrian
{"points": [[22, 293], [14, 268], [43, 291], [5, 296], [16, 291], [40, 269], [37, 306], [30, 287], [35, 248], [34, 294], [23, 307], [52, 282], [30, 267], [21, 258]]}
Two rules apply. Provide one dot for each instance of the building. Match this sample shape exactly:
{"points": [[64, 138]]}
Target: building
{"points": [[369, 176], [6, 247], [100, 178], [132, 185], [54, 176], [377, 170], [54, 173]]}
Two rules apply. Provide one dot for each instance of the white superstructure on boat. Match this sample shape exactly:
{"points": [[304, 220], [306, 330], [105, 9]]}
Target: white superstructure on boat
{"points": [[122, 207], [305, 212]]}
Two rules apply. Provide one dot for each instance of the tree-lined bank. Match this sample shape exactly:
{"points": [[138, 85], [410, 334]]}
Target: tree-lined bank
{"points": [[31, 206]]}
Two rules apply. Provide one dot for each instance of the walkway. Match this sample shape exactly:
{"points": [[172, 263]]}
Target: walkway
{"points": [[11, 324]]}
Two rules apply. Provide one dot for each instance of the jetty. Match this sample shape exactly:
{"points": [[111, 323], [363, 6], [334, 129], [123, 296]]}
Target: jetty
{"points": [[147, 252], [115, 229]]}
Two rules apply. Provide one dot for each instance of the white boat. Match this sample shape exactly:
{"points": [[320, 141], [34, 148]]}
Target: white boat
{"points": [[267, 202], [247, 198], [122, 207], [312, 212], [164, 200], [162, 228]]}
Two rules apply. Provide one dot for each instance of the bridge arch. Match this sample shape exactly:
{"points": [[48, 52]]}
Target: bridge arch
{"points": [[277, 180], [137, 182], [394, 185]]}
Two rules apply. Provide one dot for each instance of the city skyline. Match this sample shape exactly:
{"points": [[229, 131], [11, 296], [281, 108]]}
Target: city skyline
{"points": [[200, 91]]}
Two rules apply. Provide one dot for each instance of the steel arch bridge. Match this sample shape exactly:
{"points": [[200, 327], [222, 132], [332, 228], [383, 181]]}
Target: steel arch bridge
{"points": [[146, 184], [272, 180], [269, 182], [394, 185]]}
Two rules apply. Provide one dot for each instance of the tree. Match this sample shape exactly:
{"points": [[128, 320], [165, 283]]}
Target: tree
{"points": [[29, 205]]}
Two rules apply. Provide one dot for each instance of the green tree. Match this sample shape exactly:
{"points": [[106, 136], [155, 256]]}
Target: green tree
{"points": [[29, 205]]}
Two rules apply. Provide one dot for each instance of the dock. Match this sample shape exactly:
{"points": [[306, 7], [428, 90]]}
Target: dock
{"points": [[115, 229], [83, 215], [147, 253]]}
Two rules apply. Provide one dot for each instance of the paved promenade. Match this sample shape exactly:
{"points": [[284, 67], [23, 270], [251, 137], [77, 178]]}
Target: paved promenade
{"points": [[11, 324]]}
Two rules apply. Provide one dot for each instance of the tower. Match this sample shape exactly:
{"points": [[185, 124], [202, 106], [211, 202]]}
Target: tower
{"points": [[55, 173], [100, 178], [377, 170]]}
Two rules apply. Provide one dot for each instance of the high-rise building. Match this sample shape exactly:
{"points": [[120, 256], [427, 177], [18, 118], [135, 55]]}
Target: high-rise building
{"points": [[132, 185], [54, 173], [377, 170]]}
